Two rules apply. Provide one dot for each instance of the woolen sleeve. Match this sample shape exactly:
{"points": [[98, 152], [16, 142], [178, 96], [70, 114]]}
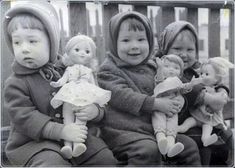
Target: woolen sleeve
{"points": [[123, 97], [22, 112]]}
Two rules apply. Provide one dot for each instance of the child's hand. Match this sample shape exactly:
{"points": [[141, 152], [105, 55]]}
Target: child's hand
{"points": [[73, 132], [86, 113], [216, 100], [168, 106]]}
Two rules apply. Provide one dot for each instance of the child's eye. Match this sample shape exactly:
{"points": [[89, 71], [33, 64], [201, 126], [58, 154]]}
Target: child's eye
{"points": [[76, 49], [142, 39], [87, 51], [125, 40], [207, 74], [16, 42]]}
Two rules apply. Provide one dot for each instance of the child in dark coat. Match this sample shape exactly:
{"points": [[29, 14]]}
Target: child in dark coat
{"points": [[181, 38], [32, 34], [128, 72]]}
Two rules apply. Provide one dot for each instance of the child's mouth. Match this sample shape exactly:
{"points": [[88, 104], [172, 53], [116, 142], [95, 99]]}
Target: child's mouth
{"points": [[134, 54]]}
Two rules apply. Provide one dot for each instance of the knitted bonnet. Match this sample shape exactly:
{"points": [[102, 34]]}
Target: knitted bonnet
{"points": [[45, 12]]}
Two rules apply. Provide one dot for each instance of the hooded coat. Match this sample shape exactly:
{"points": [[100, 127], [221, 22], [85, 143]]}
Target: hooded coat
{"points": [[128, 113]]}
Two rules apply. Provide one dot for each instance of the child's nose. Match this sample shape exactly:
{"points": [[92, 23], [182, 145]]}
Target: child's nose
{"points": [[25, 48]]}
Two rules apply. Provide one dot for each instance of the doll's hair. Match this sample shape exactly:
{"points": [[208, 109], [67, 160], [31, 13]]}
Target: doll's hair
{"points": [[26, 21], [221, 67], [175, 59], [134, 24], [171, 58], [93, 64]]}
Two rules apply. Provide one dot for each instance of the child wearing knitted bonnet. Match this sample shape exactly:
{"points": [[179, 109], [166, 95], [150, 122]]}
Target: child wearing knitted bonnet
{"points": [[78, 88]]}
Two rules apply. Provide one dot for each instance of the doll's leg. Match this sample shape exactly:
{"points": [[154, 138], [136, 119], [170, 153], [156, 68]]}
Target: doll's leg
{"points": [[187, 124], [173, 148], [159, 126], [207, 138], [79, 148], [68, 115]]}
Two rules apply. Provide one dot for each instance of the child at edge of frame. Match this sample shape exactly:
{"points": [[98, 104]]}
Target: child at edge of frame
{"points": [[180, 38], [128, 71], [32, 34]]}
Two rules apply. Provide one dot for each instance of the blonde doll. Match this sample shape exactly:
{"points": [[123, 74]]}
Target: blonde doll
{"points": [[209, 113], [79, 88], [168, 84]]}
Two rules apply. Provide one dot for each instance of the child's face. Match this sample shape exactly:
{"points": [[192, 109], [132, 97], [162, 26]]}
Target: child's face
{"points": [[81, 53], [132, 46], [208, 74], [185, 48], [31, 47], [170, 69]]}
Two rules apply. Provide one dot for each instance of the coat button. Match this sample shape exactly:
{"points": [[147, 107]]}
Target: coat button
{"points": [[57, 115]]}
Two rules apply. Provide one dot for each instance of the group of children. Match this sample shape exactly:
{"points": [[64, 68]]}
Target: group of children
{"points": [[72, 112]]}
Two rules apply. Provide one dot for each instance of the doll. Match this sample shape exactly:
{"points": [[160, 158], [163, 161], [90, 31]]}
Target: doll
{"points": [[168, 84], [208, 109], [79, 88]]}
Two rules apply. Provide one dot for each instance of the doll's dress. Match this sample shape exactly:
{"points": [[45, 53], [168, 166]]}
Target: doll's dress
{"points": [[206, 115], [80, 89]]}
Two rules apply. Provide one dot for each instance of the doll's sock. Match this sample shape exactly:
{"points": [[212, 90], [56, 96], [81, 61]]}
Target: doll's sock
{"points": [[78, 149], [210, 140], [66, 152], [162, 143], [175, 149]]}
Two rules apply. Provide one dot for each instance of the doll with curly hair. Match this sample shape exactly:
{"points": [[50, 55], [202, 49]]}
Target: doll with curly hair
{"points": [[207, 112]]}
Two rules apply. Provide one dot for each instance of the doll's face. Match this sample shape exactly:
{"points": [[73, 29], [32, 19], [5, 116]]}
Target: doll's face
{"points": [[132, 46], [185, 48], [208, 74], [31, 47], [81, 53], [171, 69]]}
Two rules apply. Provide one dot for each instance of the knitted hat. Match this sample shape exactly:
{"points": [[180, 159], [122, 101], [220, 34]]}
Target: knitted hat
{"points": [[169, 34], [170, 84], [45, 12], [114, 27]]}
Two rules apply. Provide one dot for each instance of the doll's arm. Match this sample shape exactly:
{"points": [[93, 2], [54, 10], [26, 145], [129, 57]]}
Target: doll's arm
{"points": [[187, 87], [187, 124], [63, 80]]}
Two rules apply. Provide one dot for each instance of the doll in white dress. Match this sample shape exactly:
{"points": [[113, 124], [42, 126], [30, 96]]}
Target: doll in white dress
{"points": [[208, 113], [78, 86]]}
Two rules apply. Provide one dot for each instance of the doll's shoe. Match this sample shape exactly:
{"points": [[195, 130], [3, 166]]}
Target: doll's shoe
{"points": [[212, 139], [175, 149], [67, 152], [78, 149], [163, 146]]}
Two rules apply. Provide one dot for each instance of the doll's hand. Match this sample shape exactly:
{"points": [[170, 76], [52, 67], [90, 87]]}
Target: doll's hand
{"points": [[55, 84], [167, 106], [87, 113], [73, 132]]}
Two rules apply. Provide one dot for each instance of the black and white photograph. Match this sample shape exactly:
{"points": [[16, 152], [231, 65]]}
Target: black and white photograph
{"points": [[117, 83]]}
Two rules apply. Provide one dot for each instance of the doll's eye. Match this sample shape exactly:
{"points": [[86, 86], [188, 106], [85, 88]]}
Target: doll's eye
{"points": [[76, 49], [33, 41], [207, 74], [87, 51]]}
